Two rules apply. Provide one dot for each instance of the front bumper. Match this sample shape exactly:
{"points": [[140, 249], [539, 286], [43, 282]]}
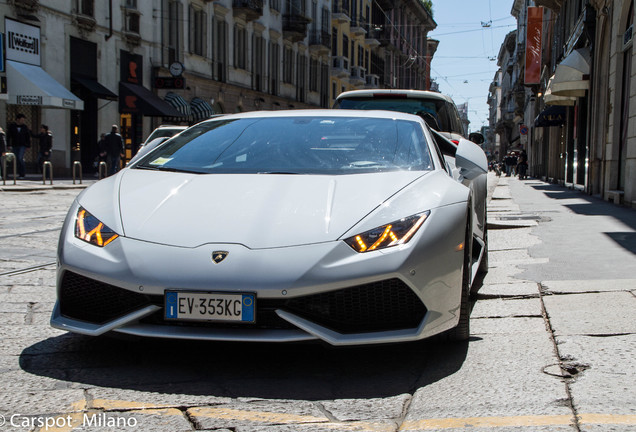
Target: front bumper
{"points": [[322, 292], [368, 313]]}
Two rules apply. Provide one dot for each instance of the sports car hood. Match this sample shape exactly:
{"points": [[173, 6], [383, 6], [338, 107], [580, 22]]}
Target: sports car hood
{"points": [[256, 210]]}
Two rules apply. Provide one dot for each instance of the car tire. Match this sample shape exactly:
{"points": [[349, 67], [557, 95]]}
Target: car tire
{"points": [[483, 265], [462, 331]]}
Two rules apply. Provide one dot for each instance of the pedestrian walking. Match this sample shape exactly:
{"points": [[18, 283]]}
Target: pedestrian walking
{"points": [[101, 148], [508, 163], [46, 144], [3, 149], [101, 153], [19, 141], [522, 164], [114, 150]]}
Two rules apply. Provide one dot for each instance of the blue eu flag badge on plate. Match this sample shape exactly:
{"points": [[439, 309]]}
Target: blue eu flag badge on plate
{"points": [[171, 305]]}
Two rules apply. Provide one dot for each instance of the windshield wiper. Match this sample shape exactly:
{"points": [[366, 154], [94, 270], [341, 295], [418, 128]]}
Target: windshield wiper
{"points": [[277, 172], [167, 169]]}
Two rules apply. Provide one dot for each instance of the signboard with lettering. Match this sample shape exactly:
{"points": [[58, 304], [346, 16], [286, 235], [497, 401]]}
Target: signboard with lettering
{"points": [[28, 100], [131, 68], [533, 45], [22, 42]]}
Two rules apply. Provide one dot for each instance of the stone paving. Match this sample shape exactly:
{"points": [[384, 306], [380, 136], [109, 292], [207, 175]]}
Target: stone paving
{"points": [[545, 355]]}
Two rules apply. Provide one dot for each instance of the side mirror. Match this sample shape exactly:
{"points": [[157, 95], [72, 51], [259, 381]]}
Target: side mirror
{"points": [[476, 137], [471, 160]]}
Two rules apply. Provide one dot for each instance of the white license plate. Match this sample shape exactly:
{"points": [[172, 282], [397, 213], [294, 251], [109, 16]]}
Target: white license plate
{"points": [[209, 306]]}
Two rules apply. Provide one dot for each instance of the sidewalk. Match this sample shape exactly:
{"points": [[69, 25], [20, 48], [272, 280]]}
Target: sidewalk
{"points": [[576, 255], [33, 182]]}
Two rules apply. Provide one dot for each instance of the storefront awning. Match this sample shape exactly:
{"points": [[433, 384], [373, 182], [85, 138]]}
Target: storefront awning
{"points": [[572, 75], [201, 110], [136, 99], [31, 85], [178, 103], [551, 99], [94, 87], [551, 116]]}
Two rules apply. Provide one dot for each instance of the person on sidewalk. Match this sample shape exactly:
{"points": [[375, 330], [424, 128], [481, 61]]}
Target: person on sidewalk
{"points": [[522, 164], [19, 141], [114, 150], [508, 163], [46, 144], [3, 148]]}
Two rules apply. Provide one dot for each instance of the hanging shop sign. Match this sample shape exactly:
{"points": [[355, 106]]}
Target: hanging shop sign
{"points": [[533, 45]]}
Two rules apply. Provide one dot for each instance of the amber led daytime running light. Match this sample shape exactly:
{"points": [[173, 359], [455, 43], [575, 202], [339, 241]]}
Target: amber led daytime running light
{"points": [[94, 235], [390, 235]]}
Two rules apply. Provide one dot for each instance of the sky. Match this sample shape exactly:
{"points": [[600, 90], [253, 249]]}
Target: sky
{"points": [[470, 34]]}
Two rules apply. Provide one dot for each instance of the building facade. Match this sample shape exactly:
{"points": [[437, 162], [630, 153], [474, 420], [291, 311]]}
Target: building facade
{"points": [[493, 139], [139, 64], [580, 113], [380, 44], [505, 113]]}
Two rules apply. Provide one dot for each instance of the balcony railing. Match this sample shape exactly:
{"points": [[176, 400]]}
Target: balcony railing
{"points": [[373, 35], [295, 27], [357, 77], [340, 6], [248, 9], [357, 26], [340, 11], [320, 40], [340, 66], [373, 81]]}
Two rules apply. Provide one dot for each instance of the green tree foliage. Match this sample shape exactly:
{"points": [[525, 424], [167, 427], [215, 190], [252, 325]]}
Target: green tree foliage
{"points": [[428, 5]]}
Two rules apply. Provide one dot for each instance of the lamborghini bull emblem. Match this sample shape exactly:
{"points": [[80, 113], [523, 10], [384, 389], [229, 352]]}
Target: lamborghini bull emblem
{"points": [[218, 256]]}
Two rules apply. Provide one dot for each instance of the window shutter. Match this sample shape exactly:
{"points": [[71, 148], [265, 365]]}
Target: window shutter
{"points": [[165, 32], [204, 34], [192, 27], [180, 47], [236, 47]]}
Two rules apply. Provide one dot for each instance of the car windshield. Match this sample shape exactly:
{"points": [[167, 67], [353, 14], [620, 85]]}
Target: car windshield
{"points": [[435, 107], [163, 132], [294, 145]]}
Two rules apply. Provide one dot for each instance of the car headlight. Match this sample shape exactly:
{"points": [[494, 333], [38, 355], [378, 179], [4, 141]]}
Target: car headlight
{"points": [[91, 230], [393, 234]]}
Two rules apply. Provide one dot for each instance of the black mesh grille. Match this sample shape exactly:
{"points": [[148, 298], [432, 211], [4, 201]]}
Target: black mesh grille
{"points": [[96, 302], [378, 306]]}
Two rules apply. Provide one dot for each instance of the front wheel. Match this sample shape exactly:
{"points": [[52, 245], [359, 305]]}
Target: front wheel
{"points": [[462, 331], [483, 266]]}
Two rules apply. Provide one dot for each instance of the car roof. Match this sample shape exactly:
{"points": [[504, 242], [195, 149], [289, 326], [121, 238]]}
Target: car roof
{"points": [[320, 113], [171, 127], [415, 94]]}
